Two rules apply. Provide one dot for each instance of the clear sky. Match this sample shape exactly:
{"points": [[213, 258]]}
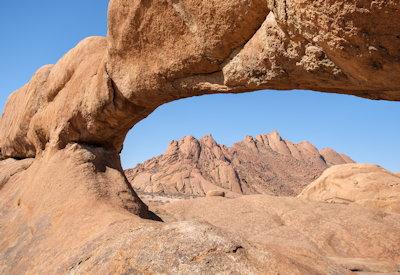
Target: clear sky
{"points": [[36, 33]]}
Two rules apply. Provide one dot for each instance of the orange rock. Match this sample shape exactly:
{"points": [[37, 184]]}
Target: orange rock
{"points": [[318, 236], [215, 193], [267, 164], [367, 185], [72, 210], [104, 86]]}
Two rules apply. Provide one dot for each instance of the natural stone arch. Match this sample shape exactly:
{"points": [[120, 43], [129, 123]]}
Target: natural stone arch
{"points": [[160, 51]]}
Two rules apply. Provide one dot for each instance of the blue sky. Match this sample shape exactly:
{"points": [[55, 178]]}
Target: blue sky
{"points": [[41, 32]]}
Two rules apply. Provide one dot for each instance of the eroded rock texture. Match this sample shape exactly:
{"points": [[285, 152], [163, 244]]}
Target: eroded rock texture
{"points": [[70, 209], [266, 164], [160, 51], [301, 237], [367, 185]]}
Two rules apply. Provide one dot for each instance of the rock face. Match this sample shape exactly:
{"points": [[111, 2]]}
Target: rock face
{"points": [[73, 211], [215, 193], [156, 53], [266, 164], [11, 167], [159, 52], [323, 238], [367, 185]]}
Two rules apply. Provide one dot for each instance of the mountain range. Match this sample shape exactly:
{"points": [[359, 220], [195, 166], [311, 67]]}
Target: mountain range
{"points": [[265, 164]]}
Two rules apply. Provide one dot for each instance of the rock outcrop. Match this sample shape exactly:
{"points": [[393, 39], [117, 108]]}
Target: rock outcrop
{"points": [[266, 164], [11, 167], [158, 52], [73, 211], [322, 238], [367, 185], [55, 221]]}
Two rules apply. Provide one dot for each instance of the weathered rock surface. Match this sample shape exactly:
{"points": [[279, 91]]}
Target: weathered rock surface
{"points": [[72, 210], [322, 238], [159, 52], [11, 167], [215, 193], [266, 164], [367, 185]]}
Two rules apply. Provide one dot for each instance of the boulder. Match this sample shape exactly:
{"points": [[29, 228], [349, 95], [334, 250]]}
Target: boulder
{"points": [[364, 184]]}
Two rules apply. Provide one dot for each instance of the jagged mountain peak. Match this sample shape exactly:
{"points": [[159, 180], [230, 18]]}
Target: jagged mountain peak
{"points": [[264, 164]]}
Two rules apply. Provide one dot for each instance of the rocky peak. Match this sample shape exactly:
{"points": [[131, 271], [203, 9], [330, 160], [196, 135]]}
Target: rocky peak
{"points": [[249, 139], [265, 164], [188, 147], [173, 147], [331, 156], [208, 140], [275, 136], [277, 143], [250, 143]]}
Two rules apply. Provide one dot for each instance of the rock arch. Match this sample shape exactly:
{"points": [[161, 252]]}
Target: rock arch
{"points": [[160, 51]]}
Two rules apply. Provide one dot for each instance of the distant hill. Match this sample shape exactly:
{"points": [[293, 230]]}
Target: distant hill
{"points": [[265, 164]]}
